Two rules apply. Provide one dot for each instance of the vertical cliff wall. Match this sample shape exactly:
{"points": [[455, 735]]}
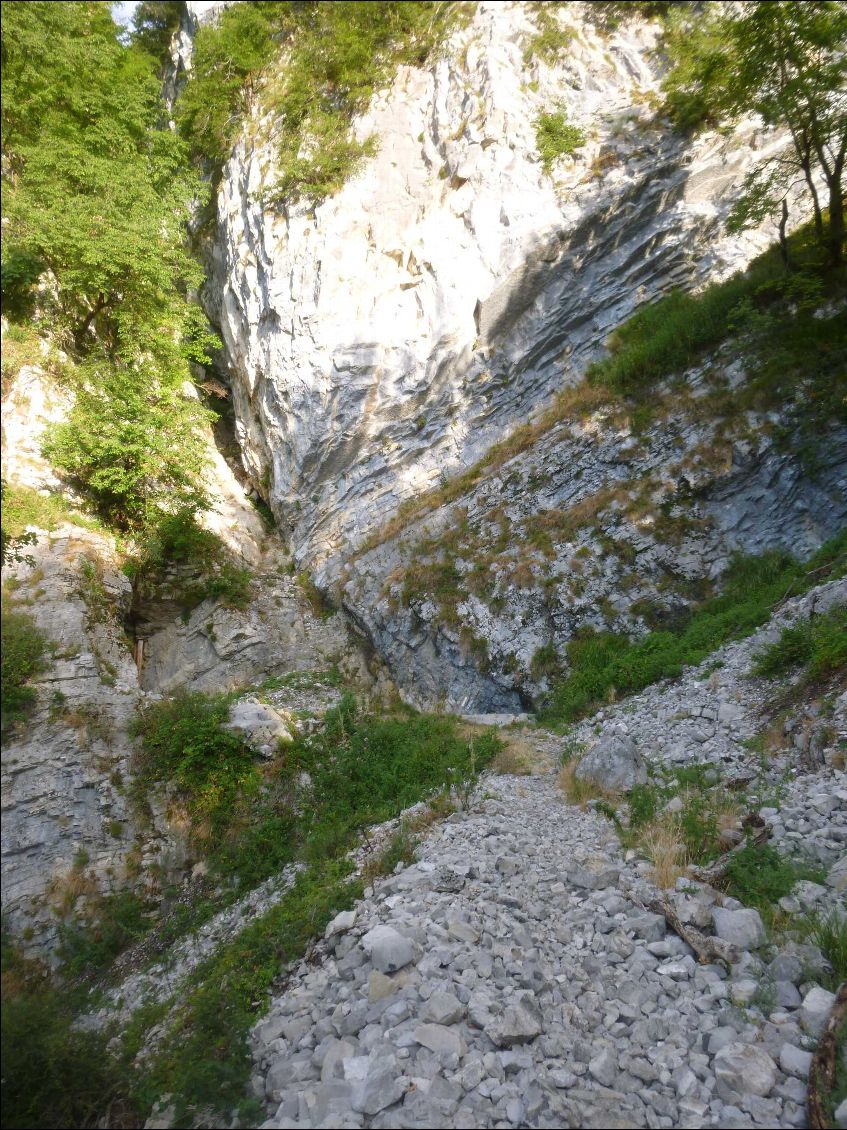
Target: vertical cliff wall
{"points": [[387, 337]]}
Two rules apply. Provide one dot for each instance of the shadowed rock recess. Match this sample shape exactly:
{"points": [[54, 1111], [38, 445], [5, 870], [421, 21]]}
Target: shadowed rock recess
{"points": [[473, 755]]}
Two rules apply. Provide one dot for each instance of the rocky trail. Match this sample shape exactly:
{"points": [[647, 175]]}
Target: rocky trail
{"points": [[512, 977], [517, 973], [505, 979]]}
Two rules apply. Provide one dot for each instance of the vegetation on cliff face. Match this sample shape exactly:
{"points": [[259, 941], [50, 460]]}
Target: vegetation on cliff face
{"points": [[328, 59], [97, 192], [605, 666], [785, 62]]}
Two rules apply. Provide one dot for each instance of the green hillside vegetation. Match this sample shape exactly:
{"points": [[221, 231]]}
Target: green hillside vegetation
{"points": [[312, 67], [605, 666], [97, 192]]}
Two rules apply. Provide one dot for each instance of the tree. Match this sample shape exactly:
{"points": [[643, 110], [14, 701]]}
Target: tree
{"points": [[133, 443], [97, 192], [97, 189], [785, 61]]}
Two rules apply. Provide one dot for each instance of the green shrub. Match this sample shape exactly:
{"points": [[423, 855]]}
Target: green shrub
{"points": [[829, 933], [555, 137], [178, 539], [23, 656], [182, 741], [23, 506], [365, 770], [606, 665], [759, 876], [674, 332], [133, 444], [88, 947], [818, 644], [205, 1061], [336, 56], [550, 39], [53, 1074]]}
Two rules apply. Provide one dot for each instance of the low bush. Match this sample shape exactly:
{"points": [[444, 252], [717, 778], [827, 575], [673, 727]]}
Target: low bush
{"points": [[23, 507], [179, 539], [818, 644], [777, 309], [551, 39], [606, 665], [23, 656], [182, 741], [87, 948], [53, 1074], [336, 56], [555, 137], [829, 933], [759, 876]]}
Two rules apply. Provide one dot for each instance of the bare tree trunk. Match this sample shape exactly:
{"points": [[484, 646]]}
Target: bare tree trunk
{"points": [[81, 330], [783, 238], [822, 1073], [836, 221], [816, 204]]}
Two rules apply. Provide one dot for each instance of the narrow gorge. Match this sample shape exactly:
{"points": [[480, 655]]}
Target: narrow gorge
{"points": [[424, 572]]}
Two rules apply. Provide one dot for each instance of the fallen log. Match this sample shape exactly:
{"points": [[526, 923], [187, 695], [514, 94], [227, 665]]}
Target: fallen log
{"points": [[716, 870], [708, 949], [822, 1071]]}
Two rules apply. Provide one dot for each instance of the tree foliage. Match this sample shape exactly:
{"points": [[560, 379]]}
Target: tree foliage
{"points": [[133, 442], [97, 192], [333, 58], [784, 61]]}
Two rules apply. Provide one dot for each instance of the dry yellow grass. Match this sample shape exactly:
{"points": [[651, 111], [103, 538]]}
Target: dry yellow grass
{"points": [[580, 792], [663, 846], [577, 402], [65, 890], [511, 762]]}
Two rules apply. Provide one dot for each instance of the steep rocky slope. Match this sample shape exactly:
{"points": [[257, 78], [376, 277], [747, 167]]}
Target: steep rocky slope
{"points": [[72, 831], [513, 975], [387, 337]]}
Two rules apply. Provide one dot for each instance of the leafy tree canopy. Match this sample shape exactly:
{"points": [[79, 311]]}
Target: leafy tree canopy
{"points": [[97, 192], [786, 62], [334, 56]]}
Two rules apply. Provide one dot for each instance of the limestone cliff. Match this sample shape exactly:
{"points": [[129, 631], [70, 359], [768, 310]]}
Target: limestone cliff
{"points": [[387, 337], [380, 343]]}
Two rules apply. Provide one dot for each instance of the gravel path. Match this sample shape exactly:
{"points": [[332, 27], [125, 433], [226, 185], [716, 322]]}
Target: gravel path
{"points": [[506, 980]]}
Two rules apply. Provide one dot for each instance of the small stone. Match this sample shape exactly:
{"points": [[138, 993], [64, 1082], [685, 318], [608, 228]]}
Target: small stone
{"points": [[381, 986], [341, 923], [387, 949], [440, 1040], [743, 1069], [795, 1061], [443, 1008], [787, 995], [815, 1010], [518, 1024], [614, 763], [742, 928], [604, 1067], [381, 1087], [594, 873], [837, 878]]}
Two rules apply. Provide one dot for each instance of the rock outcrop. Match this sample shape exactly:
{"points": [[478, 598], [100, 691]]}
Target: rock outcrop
{"points": [[387, 337]]}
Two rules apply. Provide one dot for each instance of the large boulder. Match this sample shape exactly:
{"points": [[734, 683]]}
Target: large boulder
{"points": [[614, 763], [259, 725]]}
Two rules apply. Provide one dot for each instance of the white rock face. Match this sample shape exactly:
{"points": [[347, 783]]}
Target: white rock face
{"points": [[68, 828], [32, 403], [389, 336]]}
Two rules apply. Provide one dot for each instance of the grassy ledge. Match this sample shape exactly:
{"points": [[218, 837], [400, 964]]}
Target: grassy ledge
{"points": [[312, 802], [606, 666]]}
